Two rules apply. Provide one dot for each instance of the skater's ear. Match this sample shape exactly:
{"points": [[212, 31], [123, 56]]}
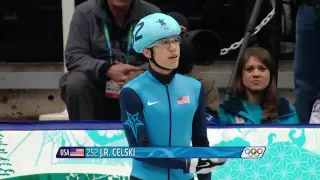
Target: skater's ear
{"points": [[147, 53]]}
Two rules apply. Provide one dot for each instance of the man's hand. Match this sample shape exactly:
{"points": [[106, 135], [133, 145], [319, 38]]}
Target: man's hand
{"points": [[119, 72], [204, 166]]}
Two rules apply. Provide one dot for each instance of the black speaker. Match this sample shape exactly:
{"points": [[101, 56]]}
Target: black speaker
{"points": [[77, 2], [198, 47]]}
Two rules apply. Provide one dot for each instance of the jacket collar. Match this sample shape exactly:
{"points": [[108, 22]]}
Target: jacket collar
{"points": [[235, 107], [135, 11], [163, 79]]}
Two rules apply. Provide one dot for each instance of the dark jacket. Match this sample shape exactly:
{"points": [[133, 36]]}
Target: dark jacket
{"points": [[86, 48]]}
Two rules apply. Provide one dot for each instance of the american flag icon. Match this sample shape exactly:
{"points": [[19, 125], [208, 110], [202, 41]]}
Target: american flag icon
{"points": [[183, 100], [76, 152]]}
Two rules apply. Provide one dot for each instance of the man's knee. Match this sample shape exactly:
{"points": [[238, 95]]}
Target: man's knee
{"points": [[75, 84]]}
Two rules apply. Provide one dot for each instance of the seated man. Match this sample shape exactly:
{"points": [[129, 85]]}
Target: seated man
{"points": [[99, 54], [186, 68], [307, 56]]}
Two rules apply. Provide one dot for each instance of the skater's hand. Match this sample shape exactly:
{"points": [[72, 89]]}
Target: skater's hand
{"points": [[119, 72], [204, 166]]}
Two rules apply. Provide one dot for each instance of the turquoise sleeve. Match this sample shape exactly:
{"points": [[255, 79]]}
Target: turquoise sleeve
{"points": [[224, 118], [293, 119]]}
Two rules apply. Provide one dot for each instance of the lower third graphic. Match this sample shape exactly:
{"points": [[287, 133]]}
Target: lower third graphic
{"points": [[253, 152]]}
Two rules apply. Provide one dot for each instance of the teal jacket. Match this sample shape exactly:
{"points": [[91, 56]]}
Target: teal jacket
{"points": [[237, 111]]}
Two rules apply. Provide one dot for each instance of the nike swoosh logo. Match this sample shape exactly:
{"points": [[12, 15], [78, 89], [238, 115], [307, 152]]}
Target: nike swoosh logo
{"points": [[152, 103], [205, 165]]}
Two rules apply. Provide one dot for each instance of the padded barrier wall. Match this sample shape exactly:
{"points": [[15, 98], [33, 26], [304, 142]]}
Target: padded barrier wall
{"points": [[27, 151]]}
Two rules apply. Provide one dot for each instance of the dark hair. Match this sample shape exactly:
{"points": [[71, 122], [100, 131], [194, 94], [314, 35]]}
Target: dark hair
{"points": [[269, 98]]}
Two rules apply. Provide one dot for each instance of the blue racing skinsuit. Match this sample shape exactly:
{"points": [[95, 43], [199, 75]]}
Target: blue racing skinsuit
{"points": [[152, 116]]}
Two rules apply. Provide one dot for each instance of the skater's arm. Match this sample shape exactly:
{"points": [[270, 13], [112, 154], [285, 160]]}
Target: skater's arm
{"points": [[199, 126], [132, 111], [199, 129]]}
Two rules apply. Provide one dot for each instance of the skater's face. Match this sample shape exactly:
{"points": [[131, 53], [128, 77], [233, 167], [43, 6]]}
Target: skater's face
{"points": [[166, 52]]}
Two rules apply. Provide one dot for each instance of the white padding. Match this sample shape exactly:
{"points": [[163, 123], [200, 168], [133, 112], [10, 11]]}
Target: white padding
{"points": [[63, 116]]}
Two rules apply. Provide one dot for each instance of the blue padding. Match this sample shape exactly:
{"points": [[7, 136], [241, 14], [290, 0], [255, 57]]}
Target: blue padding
{"points": [[58, 125], [115, 125]]}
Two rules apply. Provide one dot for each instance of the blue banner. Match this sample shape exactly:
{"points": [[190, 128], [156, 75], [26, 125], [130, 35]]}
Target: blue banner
{"points": [[291, 152], [160, 152]]}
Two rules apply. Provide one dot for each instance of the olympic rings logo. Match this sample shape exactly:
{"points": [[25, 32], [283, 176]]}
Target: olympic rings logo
{"points": [[254, 152]]}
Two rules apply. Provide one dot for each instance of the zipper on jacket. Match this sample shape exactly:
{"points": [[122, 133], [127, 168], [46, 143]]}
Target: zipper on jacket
{"points": [[170, 123]]}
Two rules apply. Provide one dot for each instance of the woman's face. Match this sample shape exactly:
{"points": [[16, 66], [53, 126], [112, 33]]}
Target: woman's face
{"points": [[255, 75]]}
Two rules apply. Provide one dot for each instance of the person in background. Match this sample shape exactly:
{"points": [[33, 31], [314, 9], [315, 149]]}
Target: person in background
{"points": [[99, 56], [255, 99], [181, 19], [186, 68], [307, 57], [162, 108], [315, 110]]}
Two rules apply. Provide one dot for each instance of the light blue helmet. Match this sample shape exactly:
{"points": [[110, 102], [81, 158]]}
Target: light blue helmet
{"points": [[153, 28]]}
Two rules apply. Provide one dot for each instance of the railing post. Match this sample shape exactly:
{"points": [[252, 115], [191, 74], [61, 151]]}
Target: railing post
{"points": [[68, 7], [277, 22]]}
